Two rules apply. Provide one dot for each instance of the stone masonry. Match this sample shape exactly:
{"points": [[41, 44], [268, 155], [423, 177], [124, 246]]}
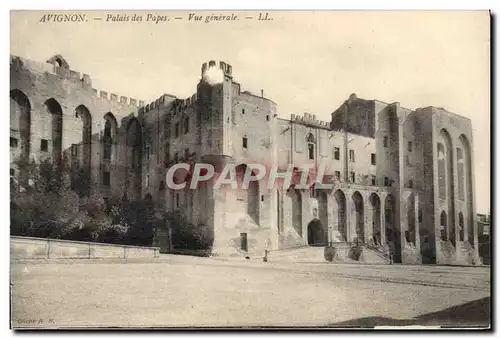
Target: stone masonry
{"points": [[403, 180]]}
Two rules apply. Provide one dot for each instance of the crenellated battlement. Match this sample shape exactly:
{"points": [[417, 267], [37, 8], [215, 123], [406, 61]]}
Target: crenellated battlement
{"points": [[309, 119], [115, 98], [224, 66], [58, 66], [178, 104]]}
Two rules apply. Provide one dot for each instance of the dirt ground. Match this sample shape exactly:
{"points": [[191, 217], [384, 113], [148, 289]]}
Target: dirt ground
{"points": [[181, 291]]}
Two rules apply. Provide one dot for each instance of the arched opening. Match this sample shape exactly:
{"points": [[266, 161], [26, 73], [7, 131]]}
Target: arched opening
{"points": [[375, 206], [443, 222], [359, 216], [109, 135], [390, 231], [468, 194], [316, 233], [410, 214], [296, 210], [311, 146], [323, 210], [340, 212], [253, 200], [20, 123], [449, 183], [134, 158], [82, 182], [247, 197], [54, 111], [461, 226]]}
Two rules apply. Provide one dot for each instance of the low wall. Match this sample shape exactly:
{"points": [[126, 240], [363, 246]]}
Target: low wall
{"points": [[40, 248]]}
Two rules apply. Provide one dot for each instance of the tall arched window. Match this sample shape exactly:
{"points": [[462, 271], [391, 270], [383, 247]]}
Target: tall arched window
{"points": [[443, 222], [461, 226], [311, 142]]}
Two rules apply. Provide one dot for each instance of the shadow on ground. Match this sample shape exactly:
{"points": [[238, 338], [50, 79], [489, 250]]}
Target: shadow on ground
{"points": [[472, 314]]}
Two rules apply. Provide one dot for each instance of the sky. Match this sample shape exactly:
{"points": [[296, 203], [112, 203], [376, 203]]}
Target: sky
{"points": [[304, 61]]}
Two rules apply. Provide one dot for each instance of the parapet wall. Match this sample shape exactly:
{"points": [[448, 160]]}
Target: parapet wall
{"points": [[40, 248], [179, 104], [17, 62], [309, 119]]}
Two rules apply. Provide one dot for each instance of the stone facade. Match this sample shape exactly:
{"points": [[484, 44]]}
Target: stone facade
{"points": [[403, 181]]}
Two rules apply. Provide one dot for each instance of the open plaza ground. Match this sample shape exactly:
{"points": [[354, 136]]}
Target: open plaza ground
{"points": [[182, 291]]}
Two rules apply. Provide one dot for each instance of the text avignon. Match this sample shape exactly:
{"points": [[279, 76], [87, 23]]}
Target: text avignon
{"points": [[63, 18]]}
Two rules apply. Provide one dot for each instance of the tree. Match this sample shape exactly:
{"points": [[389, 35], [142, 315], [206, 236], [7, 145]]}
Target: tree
{"points": [[43, 204], [188, 236]]}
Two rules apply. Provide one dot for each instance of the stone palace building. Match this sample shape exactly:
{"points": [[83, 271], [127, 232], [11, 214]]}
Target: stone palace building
{"points": [[403, 180]]}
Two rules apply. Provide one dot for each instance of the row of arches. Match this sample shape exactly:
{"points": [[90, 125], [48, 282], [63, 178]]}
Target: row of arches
{"points": [[454, 164], [51, 127], [372, 208]]}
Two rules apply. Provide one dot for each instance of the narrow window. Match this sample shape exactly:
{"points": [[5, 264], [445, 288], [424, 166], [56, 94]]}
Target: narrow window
{"points": [[386, 142], [245, 142], [374, 159], [267, 117], [186, 125], [106, 179], [176, 130], [177, 200], [336, 153], [410, 146], [44, 145], [310, 148], [167, 153], [242, 111], [386, 181], [351, 155], [244, 242], [353, 177], [13, 142], [74, 150]]}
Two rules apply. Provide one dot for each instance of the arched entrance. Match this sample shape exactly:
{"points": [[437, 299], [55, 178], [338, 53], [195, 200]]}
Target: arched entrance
{"points": [[375, 205], [339, 212], [296, 210], [389, 219], [410, 235], [316, 235], [359, 216]]}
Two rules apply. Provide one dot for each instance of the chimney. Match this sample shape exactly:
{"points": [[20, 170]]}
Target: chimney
{"points": [[261, 93]]}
